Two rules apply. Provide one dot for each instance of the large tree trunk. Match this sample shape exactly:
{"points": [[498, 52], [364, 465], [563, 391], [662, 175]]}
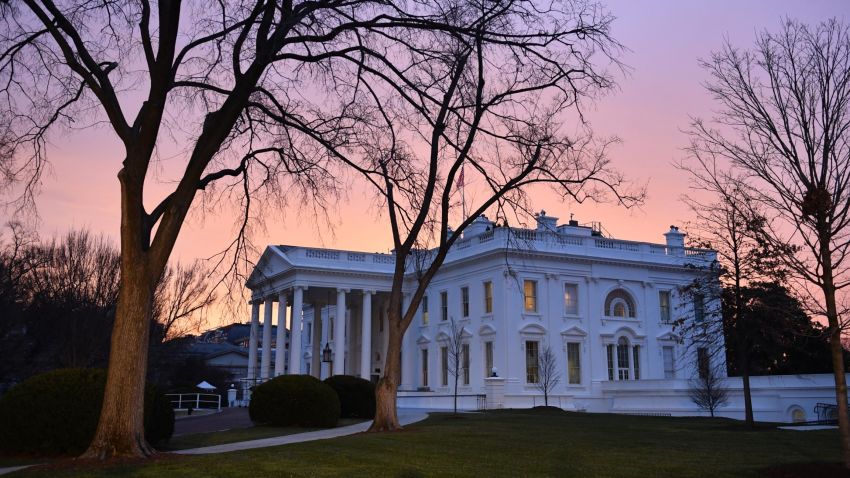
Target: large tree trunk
{"points": [[744, 369], [120, 429], [836, 348], [386, 417]]}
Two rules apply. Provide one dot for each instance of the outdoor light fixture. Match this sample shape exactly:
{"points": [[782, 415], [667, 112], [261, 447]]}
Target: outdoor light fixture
{"points": [[326, 353]]}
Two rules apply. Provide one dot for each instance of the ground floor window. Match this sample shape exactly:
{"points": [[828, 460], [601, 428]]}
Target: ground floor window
{"points": [[464, 355], [636, 361], [488, 358], [444, 366], [669, 361], [610, 361], [702, 362], [424, 367], [574, 363], [532, 372], [623, 360]]}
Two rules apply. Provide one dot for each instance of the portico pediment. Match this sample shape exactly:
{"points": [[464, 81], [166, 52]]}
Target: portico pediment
{"points": [[272, 262]]}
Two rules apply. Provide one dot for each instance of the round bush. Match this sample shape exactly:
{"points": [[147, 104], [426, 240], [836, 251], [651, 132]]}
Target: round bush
{"points": [[356, 396], [295, 400], [57, 412]]}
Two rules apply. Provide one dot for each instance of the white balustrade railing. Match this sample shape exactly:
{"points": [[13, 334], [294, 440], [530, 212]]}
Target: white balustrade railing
{"points": [[184, 401]]}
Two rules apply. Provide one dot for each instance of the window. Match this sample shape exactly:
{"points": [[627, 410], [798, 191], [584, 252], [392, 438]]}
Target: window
{"points": [[464, 301], [636, 361], [703, 362], [444, 366], [699, 307], [619, 304], [530, 292], [488, 358], [424, 310], [330, 328], [669, 361], [571, 299], [309, 332], [531, 365], [424, 367], [488, 297], [664, 305], [444, 306], [464, 356], [573, 363], [798, 415], [623, 359], [610, 362]]}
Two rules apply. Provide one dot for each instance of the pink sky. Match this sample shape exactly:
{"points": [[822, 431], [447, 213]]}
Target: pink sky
{"points": [[652, 106]]}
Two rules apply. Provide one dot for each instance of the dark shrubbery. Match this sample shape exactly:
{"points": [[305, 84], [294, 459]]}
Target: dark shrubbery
{"points": [[356, 395], [295, 400], [57, 412]]}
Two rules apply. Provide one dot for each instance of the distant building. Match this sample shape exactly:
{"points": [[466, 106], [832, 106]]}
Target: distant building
{"points": [[604, 306]]}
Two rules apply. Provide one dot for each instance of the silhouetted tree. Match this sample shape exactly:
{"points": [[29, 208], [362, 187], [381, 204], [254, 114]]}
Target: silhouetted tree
{"points": [[548, 374], [783, 122], [454, 349], [708, 391]]}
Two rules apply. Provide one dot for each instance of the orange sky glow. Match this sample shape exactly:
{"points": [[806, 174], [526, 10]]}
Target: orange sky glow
{"points": [[648, 112]]}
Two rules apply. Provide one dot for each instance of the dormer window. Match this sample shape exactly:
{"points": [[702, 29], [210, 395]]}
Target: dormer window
{"points": [[619, 304]]}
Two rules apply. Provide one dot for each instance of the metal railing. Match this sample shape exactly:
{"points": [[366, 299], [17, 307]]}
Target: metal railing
{"points": [[184, 401]]}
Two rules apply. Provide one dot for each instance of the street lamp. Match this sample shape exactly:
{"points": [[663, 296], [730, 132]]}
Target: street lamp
{"points": [[326, 353]]}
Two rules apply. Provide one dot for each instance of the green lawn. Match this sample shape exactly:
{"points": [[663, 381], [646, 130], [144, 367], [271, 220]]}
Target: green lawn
{"points": [[517, 443]]}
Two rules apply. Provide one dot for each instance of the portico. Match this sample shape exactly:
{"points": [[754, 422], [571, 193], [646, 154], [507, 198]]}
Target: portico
{"points": [[318, 309]]}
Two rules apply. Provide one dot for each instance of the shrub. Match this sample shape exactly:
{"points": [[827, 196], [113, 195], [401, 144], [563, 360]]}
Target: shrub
{"points": [[295, 400], [57, 412], [356, 395]]}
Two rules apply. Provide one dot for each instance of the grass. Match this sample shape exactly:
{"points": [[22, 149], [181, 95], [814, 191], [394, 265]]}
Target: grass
{"points": [[513, 443], [197, 440]]}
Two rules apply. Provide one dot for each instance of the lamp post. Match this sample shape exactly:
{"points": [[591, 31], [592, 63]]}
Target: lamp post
{"points": [[326, 353]]}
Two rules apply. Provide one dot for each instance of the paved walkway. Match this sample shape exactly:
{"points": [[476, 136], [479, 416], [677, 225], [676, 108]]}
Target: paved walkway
{"points": [[227, 419], [405, 417]]}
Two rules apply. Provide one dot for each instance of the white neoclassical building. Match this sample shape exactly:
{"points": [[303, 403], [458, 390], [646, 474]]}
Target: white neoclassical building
{"points": [[604, 306]]}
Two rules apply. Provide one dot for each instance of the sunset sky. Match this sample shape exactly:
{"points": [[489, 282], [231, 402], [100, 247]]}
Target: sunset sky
{"points": [[665, 40]]}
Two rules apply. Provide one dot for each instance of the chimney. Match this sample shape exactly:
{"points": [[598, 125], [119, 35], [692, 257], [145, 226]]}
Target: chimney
{"points": [[675, 240], [546, 223]]}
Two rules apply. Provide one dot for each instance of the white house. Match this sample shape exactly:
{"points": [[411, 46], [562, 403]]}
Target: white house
{"points": [[604, 306]]}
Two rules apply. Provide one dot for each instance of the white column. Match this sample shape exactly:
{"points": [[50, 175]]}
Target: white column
{"points": [[252, 340], [366, 336], [339, 333], [280, 342], [316, 361], [265, 359], [295, 331]]}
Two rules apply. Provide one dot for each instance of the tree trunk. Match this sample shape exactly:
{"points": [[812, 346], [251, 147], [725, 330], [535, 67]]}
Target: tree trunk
{"points": [[386, 416], [120, 430], [837, 350], [456, 377], [744, 366]]}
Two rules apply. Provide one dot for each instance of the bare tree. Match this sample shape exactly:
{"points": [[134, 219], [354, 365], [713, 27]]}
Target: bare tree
{"points": [[708, 392], [489, 101], [730, 223], [784, 124], [549, 376], [456, 357], [269, 101], [182, 298]]}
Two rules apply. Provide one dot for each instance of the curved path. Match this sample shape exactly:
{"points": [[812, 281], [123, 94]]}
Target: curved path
{"points": [[405, 417]]}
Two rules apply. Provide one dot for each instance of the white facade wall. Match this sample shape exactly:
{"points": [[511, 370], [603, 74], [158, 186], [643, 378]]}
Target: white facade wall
{"points": [[596, 266]]}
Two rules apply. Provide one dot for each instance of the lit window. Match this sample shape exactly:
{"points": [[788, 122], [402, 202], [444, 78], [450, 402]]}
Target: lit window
{"points": [[488, 358], [571, 299], [574, 363], [444, 366], [531, 362], [664, 305], [444, 306], [464, 301], [424, 310], [619, 304], [464, 355], [488, 297], [798, 415], [669, 362], [424, 367], [530, 293]]}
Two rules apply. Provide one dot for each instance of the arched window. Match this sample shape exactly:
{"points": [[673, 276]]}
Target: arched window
{"points": [[619, 304], [798, 415]]}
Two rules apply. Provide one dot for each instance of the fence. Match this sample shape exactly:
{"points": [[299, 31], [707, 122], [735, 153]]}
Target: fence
{"points": [[183, 401]]}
